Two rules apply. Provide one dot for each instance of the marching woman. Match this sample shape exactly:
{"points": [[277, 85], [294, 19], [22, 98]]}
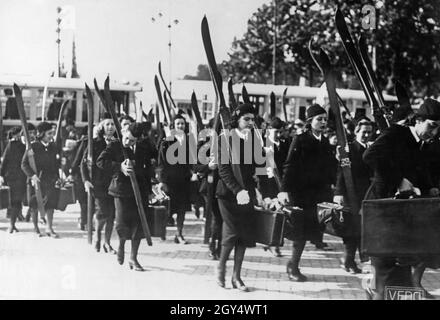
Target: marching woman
{"points": [[175, 176], [309, 171], [128, 223], [45, 153], [399, 165], [236, 193], [99, 183], [11, 173]]}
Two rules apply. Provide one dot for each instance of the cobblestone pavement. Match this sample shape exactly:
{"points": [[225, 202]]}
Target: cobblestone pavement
{"points": [[69, 268]]}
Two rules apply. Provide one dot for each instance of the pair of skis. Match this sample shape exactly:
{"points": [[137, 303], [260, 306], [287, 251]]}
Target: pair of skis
{"points": [[358, 57]]}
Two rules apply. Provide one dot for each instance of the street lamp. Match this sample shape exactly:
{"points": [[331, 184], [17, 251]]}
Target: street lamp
{"points": [[172, 23], [58, 41]]}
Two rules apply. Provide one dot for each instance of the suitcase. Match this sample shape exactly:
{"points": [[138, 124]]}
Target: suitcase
{"points": [[66, 196], [5, 197], [335, 219], [269, 227], [157, 220], [400, 228]]}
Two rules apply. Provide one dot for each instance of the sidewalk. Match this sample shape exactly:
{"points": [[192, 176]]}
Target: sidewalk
{"points": [[69, 268]]}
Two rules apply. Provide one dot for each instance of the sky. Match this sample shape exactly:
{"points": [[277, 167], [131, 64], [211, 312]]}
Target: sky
{"points": [[118, 37]]}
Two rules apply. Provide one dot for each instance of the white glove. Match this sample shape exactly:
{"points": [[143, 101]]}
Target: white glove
{"points": [[338, 200], [243, 197], [126, 167], [88, 185], [405, 185], [283, 197], [34, 180]]}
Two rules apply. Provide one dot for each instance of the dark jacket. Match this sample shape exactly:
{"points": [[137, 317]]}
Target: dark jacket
{"points": [[393, 156], [101, 179], [46, 160], [110, 161], [202, 169], [360, 171], [11, 171], [309, 170], [229, 184], [10, 167]]}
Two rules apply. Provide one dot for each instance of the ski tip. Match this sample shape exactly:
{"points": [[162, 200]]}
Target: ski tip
{"points": [[285, 91], [160, 66]]}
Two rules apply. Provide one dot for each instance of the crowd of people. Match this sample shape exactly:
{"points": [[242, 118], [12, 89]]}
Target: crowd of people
{"points": [[402, 158]]}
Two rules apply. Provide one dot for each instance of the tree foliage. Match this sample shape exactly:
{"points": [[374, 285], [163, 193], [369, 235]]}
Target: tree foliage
{"points": [[406, 41]]}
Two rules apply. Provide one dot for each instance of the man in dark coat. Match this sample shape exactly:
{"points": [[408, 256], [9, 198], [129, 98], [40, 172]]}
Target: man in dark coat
{"points": [[45, 154], [128, 223], [11, 173], [399, 165], [361, 174]]}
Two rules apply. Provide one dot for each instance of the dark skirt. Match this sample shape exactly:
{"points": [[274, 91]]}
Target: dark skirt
{"points": [[50, 196], [105, 208], [17, 189], [128, 224], [180, 198], [237, 223]]}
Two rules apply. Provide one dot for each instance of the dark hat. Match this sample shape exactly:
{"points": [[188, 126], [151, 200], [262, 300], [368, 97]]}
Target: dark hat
{"points": [[13, 131], [430, 109], [277, 123], [243, 109], [43, 127], [106, 115], [314, 110], [136, 129], [179, 116]]}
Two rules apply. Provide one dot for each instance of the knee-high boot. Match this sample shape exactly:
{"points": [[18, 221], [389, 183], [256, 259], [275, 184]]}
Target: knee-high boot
{"points": [[293, 264]]}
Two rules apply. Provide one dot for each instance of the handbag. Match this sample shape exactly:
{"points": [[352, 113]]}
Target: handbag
{"points": [[334, 219], [5, 197]]}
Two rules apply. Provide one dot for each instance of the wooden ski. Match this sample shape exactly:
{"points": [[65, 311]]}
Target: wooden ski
{"points": [[320, 70], [90, 199], [330, 81], [57, 137], [160, 100], [273, 105], [232, 102], [196, 112], [360, 70], [166, 88], [29, 150], [284, 105], [133, 179]]}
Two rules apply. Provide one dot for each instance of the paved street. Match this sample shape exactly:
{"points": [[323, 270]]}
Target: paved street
{"points": [[68, 268]]}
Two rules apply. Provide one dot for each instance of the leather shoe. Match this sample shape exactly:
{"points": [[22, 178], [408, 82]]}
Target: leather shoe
{"points": [[295, 275], [109, 249], [135, 265], [353, 269], [220, 277], [238, 284]]}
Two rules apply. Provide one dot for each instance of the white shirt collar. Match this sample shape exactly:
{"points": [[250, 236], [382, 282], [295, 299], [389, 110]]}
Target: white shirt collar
{"points": [[242, 135], [413, 131], [45, 144], [319, 137]]}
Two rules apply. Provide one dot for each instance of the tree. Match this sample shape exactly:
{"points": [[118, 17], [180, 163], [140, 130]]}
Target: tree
{"points": [[202, 73], [406, 40]]}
